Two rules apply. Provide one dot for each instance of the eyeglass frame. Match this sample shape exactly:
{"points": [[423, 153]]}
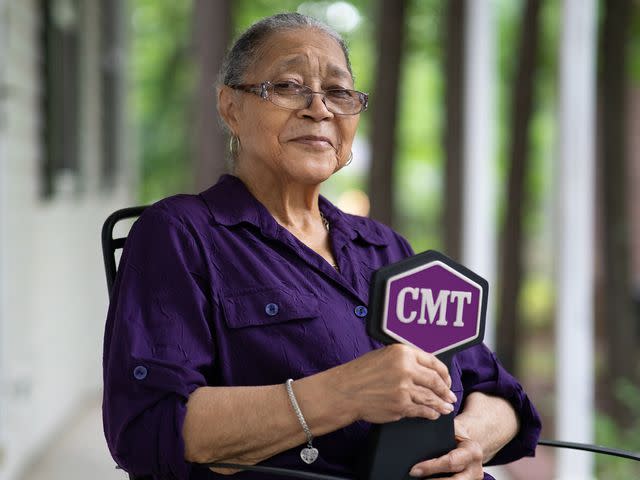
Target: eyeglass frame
{"points": [[262, 90]]}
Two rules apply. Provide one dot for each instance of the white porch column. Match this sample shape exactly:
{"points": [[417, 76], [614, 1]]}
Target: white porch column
{"points": [[575, 215], [479, 183]]}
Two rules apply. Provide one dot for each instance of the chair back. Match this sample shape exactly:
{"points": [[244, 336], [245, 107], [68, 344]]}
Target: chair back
{"points": [[111, 245]]}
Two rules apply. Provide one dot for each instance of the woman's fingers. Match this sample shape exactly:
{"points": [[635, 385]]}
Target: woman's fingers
{"points": [[429, 379], [434, 363], [395, 382], [425, 397], [422, 368], [465, 461]]}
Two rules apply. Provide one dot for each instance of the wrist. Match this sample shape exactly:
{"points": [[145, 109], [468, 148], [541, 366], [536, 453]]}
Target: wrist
{"points": [[324, 408], [342, 395], [461, 429], [464, 426]]}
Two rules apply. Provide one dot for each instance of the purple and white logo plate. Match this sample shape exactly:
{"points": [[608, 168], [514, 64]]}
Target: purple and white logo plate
{"points": [[430, 302]]}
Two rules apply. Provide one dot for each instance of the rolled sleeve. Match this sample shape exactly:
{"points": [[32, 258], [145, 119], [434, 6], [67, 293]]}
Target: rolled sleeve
{"points": [[482, 372], [158, 346]]}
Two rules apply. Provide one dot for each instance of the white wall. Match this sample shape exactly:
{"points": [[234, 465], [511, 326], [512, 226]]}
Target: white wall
{"points": [[3, 117], [53, 291]]}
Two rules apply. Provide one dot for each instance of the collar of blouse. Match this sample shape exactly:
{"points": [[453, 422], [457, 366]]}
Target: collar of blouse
{"points": [[242, 207]]}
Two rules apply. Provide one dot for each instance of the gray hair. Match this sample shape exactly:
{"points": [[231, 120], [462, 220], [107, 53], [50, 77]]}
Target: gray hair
{"points": [[246, 48]]}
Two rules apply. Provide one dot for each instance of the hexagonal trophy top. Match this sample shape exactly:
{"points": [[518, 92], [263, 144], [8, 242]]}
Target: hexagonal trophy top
{"points": [[428, 301]]}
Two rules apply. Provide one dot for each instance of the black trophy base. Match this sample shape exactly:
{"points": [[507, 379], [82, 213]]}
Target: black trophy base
{"points": [[396, 447]]}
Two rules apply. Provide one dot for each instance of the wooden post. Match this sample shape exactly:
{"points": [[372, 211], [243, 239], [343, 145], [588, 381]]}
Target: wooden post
{"points": [[384, 108], [212, 30], [454, 127], [511, 241], [633, 149], [621, 329]]}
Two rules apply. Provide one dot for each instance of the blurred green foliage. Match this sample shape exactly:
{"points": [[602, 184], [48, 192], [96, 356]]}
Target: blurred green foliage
{"points": [[608, 433], [634, 47], [162, 79]]}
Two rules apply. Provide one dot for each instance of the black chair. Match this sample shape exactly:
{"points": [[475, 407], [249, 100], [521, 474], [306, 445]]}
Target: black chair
{"points": [[111, 245]]}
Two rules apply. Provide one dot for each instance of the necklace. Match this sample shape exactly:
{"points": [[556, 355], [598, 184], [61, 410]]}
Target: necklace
{"points": [[325, 222]]}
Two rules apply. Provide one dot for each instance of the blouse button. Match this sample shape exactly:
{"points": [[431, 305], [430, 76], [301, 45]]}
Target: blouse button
{"points": [[271, 309], [361, 311], [140, 372]]}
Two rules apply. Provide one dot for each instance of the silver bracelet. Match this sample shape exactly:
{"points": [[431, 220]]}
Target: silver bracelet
{"points": [[309, 454]]}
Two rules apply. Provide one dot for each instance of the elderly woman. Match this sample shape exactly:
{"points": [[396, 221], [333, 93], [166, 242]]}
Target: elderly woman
{"points": [[223, 297]]}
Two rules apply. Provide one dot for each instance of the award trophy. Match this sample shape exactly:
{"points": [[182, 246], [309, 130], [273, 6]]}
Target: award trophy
{"points": [[431, 302]]}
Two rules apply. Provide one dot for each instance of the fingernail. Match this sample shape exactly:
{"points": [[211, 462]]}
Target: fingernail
{"points": [[416, 472], [448, 407], [452, 397]]}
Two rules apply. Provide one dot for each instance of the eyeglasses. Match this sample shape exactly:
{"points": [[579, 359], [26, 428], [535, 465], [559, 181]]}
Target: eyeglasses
{"points": [[294, 96]]}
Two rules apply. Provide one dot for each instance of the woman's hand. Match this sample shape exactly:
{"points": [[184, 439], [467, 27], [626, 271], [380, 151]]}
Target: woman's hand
{"points": [[395, 382], [465, 460]]}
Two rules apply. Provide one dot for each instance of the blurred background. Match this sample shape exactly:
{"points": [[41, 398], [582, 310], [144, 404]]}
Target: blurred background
{"points": [[505, 133]]}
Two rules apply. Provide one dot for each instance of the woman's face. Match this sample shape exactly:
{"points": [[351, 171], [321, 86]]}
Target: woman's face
{"points": [[302, 146]]}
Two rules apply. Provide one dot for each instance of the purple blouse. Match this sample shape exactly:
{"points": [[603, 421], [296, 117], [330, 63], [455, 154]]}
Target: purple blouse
{"points": [[211, 290]]}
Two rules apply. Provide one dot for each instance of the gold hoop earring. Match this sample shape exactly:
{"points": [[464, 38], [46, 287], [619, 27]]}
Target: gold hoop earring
{"points": [[234, 145], [349, 160]]}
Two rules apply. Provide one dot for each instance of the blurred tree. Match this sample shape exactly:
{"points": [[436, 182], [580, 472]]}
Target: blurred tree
{"points": [[390, 37], [211, 33], [621, 328], [633, 154], [418, 165], [511, 261], [112, 45], [247, 12], [454, 71], [163, 80]]}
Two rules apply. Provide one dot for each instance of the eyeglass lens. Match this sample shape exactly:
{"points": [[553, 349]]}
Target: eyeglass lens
{"points": [[296, 97]]}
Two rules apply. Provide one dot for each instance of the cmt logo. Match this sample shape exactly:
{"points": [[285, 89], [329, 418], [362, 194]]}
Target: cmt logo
{"points": [[431, 310], [428, 301]]}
